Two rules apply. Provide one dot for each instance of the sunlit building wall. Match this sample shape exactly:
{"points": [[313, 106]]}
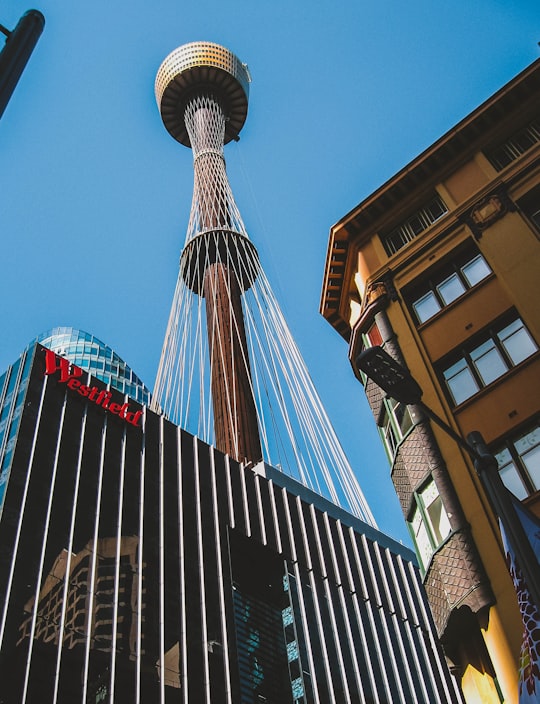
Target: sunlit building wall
{"points": [[440, 267]]}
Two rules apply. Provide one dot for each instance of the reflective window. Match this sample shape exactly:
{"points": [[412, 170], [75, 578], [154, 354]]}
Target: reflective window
{"points": [[429, 524], [503, 349], [448, 284], [437, 517], [426, 306], [476, 270], [517, 341], [396, 423], [460, 381], [89, 353], [519, 462], [11, 411], [421, 539], [451, 288], [489, 362]]}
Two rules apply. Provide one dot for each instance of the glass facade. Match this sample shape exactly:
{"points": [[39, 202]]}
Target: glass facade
{"points": [[13, 384], [91, 354], [140, 564]]}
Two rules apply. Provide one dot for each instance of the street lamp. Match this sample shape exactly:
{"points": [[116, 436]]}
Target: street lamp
{"points": [[398, 383], [14, 56]]}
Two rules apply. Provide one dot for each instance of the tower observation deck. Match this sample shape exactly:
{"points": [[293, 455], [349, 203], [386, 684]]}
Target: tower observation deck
{"points": [[230, 371]]}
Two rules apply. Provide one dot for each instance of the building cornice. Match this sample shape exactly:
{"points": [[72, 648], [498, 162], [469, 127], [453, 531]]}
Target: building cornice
{"points": [[441, 155], [429, 168]]}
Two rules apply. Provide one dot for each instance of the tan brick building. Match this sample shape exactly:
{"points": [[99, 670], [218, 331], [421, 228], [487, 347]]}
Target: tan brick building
{"points": [[441, 266]]}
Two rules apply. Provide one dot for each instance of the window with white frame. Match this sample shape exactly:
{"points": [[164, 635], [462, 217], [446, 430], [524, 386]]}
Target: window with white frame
{"points": [[396, 421], [504, 347], [448, 284], [429, 523], [519, 462]]}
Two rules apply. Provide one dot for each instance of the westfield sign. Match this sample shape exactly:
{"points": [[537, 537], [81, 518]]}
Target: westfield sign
{"points": [[70, 375]]}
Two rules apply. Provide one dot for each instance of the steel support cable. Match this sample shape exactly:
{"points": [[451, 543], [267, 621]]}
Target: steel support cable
{"points": [[291, 420], [273, 375], [269, 362], [275, 350], [260, 391], [348, 478], [258, 382], [281, 362], [348, 487], [352, 489]]}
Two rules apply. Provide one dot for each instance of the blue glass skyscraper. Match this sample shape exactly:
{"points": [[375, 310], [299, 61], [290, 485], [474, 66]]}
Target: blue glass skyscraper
{"points": [[91, 354]]}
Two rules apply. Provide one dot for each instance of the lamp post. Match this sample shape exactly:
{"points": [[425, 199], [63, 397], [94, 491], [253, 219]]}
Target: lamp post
{"points": [[398, 383], [14, 56]]}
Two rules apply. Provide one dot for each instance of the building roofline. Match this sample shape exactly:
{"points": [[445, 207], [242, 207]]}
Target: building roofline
{"points": [[456, 140], [440, 156]]}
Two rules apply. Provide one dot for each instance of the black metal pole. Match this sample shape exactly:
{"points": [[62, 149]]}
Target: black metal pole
{"points": [[399, 384], [447, 429], [503, 505], [487, 469], [17, 50]]}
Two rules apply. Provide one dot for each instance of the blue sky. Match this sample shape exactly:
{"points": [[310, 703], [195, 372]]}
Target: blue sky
{"points": [[95, 195]]}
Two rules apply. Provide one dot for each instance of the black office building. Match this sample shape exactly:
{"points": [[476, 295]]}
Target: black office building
{"points": [[138, 564]]}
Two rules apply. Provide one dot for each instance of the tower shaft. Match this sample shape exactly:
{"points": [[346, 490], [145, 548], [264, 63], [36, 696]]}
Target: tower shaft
{"points": [[213, 218], [235, 417]]}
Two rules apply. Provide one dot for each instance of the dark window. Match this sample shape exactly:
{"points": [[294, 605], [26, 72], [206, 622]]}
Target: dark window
{"points": [[260, 596], [529, 205], [504, 347], [448, 284], [519, 462], [410, 228], [514, 146]]}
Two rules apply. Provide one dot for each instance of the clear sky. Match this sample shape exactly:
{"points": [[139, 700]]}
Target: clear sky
{"points": [[95, 195]]}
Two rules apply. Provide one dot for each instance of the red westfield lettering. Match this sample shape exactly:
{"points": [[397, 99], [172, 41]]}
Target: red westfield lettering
{"points": [[70, 374]]}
